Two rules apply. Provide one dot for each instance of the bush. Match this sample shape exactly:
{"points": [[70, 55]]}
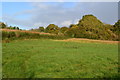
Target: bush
{"points": [[25, 35], [63, 29], [2, 25], [41, 29], [88, 27], [52, 28]]}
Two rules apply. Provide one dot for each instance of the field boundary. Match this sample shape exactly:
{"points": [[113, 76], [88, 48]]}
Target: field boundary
{"points": [[66, 40], [10, 30]]}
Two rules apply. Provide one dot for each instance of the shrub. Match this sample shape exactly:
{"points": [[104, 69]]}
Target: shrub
{"points": [[2, 25], [41, 29], [6, 35], [63, 29], [52, 28]]}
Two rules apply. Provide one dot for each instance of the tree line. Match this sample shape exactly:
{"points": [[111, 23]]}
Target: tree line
{"points": [[88, 27], [5, 26]]}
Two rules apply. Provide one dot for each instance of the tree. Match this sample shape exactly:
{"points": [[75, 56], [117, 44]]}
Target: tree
{"points": [[63, 29], [41, 29], [14, 27], [52, 28], [72, 25], [92, 27], [10, 27], [2, 25], [116, 27], [17, 28], [74, 32]]}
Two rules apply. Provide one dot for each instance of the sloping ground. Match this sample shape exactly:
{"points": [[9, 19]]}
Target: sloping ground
{"points": [[25, 31], [89, 40]]}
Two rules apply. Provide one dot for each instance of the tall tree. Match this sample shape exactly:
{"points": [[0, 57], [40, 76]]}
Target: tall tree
{"points": [[2, 25], [41, 29], [116, 27], [52, 28], [63, 29]]}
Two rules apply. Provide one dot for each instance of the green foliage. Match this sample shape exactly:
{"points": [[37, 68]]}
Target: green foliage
{"points": [[35, 30], [63, 29], [6, 35], [88, 27], [93, 28], [54, 59], [10, 27], [2, 25], [17, 28], [116, 27], [52, 28], [72, 32], [73, 26], [41, 29], [90, 21]]}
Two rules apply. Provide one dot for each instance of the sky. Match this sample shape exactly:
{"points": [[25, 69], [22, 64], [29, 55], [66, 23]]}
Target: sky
{"points": [[27, 15], [60, 0]]}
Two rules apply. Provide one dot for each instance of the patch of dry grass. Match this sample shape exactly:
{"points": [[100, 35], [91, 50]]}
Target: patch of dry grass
{"points": [[83, 40]]}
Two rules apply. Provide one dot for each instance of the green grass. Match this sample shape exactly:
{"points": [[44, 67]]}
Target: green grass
{"points": [[55, 59]]}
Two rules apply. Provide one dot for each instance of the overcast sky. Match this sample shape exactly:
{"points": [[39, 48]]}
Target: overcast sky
{"points": [[27, 15]]}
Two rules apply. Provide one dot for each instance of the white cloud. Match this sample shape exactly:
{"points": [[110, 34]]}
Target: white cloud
{"points": [[43, 14], [66, 23], [76, 21]]}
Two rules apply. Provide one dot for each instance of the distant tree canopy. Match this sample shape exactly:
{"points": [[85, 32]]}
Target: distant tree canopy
{"points": [[89, 21], [91, 27], [63, 29], [2, 25], [52, 28], [88, 27], [41, 29], [73, 32], [73, 26], [116, 27]]}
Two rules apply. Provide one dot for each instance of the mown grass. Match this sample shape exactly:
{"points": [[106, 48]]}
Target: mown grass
{"points": [[55, 59]]}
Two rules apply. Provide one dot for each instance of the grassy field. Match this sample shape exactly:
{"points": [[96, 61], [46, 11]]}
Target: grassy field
{"points": [[58, 59]]}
